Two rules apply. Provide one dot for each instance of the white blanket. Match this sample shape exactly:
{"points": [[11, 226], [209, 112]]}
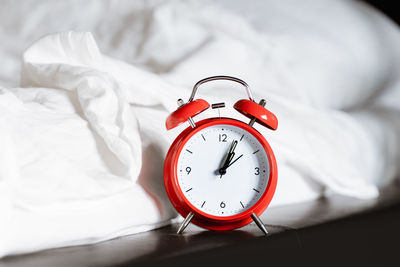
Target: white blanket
{"points": [[82, 140]]}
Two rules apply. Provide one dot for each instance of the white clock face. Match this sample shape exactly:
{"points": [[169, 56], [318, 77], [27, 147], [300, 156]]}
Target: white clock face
{"points": [[217, 189]]}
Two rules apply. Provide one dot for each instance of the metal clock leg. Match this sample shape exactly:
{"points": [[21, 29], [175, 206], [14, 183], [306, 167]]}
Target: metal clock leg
{"points": [[259, 223], [185, 223]]}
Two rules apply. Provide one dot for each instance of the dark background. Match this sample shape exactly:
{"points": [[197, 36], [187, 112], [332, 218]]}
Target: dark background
{"points": [[390, 8]]}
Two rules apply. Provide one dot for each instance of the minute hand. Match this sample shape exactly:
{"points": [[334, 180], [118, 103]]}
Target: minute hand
{"points": [[228, 158]]}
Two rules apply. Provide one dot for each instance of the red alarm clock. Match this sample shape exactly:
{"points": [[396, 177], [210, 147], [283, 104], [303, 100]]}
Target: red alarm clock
{"points": [[220, 173]]}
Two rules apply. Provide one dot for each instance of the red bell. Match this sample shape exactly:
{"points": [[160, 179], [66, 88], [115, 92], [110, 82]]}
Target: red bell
{"points": [[183, 113], [253, 110]]}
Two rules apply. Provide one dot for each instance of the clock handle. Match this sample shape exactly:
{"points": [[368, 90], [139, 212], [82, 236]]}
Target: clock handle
{"points": [[259, 223], [248, 107], [185, 223], [220, 77]]}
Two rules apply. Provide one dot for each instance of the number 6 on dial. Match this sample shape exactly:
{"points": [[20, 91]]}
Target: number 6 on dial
{"points": [[220, 173]]}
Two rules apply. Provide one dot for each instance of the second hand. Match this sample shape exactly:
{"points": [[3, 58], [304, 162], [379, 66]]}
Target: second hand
{"points": [[234, 160]]}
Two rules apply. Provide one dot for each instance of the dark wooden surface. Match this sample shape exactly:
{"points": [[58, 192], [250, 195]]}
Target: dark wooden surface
{"points": [[326, 222]]}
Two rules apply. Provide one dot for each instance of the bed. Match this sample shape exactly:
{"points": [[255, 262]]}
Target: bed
{"points": [[81, 117]]}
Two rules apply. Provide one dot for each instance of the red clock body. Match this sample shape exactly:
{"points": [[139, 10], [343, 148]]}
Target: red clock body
{"points": [[178, 195]]}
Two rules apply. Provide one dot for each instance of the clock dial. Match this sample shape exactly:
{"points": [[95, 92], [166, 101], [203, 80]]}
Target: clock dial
{"points": [[223, 170]]}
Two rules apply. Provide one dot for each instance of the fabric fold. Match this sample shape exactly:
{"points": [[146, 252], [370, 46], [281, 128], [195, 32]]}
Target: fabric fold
{"points": [[72, 61]]}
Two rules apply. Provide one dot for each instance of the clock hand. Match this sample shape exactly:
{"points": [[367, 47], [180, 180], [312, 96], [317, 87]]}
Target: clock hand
{"points": [[222, 170], [231, 164], [234, 161], [228, 158]]}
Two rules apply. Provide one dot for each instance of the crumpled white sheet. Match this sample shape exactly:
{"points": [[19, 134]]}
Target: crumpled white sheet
{"points": [[83, 139], [71, 161]]}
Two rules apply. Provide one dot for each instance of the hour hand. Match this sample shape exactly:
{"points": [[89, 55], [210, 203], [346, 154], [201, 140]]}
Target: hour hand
{"points": [[228, 158]]}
